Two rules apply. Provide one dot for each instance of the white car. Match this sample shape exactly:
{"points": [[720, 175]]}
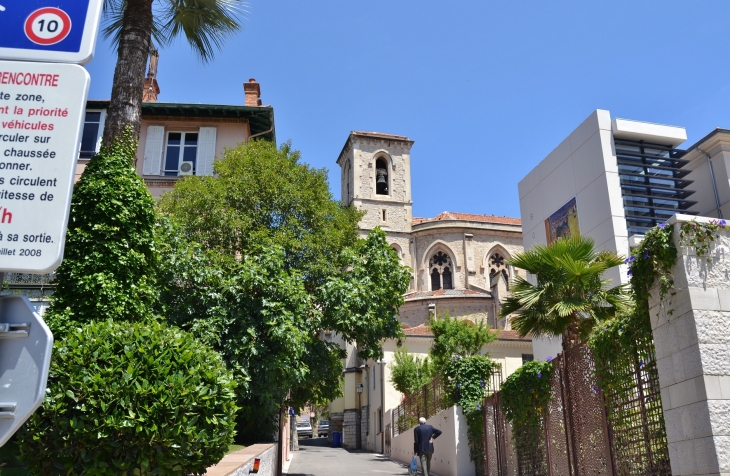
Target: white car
{"points": [[304, 429]]}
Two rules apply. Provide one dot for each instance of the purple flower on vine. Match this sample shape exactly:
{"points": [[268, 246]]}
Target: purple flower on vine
{"points": [[539, 375], [479, 407], [629, 273], [595, 389], [549, 358], [458, 385], [646, 255], [641, 364], [482, 382], [722, 223], [630, 259], [662, 225]]}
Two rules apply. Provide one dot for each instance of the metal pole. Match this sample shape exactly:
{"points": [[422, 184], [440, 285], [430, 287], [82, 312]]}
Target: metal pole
{"points": [[280, 459]]}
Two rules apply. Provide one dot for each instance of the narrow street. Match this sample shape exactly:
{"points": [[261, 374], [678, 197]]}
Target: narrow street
{"points": [[315, 458]]}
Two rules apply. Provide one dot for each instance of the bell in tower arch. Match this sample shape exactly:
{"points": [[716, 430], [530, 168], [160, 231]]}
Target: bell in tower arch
{"points": [[381, 177]]}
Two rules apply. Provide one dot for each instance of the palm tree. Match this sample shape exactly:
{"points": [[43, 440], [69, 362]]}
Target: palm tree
{"points": [[569, 295], [133, 24]]}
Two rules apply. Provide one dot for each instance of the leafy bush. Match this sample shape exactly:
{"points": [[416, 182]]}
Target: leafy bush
{"points": [[131, 399], [409, 372], [109, 264], [467, 384], [452, 336], [525, 397]]}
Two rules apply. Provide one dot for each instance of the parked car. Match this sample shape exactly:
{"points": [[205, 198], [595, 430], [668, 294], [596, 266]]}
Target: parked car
{"points": [[323, 428], [304, 429]]}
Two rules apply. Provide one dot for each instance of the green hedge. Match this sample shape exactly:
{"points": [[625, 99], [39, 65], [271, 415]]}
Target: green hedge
{"points": [[131, 399], [525, 397]]}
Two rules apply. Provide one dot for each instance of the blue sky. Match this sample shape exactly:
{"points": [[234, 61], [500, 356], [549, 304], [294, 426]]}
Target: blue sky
{"points": [[486, 89]]}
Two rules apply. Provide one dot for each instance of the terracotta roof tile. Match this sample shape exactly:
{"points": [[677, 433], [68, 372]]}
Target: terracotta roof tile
{"points": [[423, 330], [445, 292], [447, 216]]}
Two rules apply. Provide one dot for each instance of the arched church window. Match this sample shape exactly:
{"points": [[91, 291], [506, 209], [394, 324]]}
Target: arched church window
{"points": [[381, 177], [446, 276], [498, 265], [441, 276], [435, 280]]}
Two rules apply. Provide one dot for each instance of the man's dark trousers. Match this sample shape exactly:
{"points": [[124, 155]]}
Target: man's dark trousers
{"points": [[423, 445]]}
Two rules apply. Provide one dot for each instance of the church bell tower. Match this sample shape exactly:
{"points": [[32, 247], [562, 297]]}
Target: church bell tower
{"points": [[376, 179]]}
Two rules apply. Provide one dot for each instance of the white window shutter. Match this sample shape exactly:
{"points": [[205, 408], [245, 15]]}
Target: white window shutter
{"points": [[153, 150], [206, 151]]}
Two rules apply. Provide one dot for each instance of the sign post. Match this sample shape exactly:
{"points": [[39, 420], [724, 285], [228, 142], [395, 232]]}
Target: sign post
{"points": [[58, 31], [43, 93], [23, 335]]}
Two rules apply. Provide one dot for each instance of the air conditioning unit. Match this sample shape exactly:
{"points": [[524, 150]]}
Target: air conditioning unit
{"points": [[186, 168]]}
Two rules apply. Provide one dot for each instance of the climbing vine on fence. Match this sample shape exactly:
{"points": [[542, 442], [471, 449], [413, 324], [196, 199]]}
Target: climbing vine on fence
{"points": [[653, 260], [525, 397], [467, 383]]}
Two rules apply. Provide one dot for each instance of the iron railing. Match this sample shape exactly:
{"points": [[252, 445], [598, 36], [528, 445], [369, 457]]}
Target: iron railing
{"points": [[584, 430], [425, 402]]}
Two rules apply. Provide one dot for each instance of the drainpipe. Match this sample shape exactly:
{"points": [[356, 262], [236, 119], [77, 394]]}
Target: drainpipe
{"points": [[382, 406], [714, 185], [367, 382], [259, 134]]}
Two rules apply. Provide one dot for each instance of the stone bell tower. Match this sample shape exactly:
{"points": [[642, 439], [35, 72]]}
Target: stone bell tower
{"points": [[376, 178]]}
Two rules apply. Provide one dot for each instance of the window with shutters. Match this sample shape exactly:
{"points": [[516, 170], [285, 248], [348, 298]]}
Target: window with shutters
{"points": [[180, 147]]}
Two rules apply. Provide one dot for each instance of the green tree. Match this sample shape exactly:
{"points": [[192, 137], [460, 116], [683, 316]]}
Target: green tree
{"points": [[265, 196], [454, 337], [570, 294], [132, 25], [281, 261], [409, 372], [110, 261]]}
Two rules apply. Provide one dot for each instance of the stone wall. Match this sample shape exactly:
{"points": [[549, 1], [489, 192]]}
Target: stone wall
{"points": [[335, 425], [416, 312], [692, 338], [472, 260], [364, 427], [349, 429]]}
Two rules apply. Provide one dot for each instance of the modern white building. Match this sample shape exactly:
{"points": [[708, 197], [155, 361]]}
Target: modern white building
{"points": [[612, 179]]}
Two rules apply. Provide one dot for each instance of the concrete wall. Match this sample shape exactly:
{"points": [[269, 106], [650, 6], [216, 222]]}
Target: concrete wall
{"points": [[693, 358], [717, 145], [583, 167], [451, 455]]}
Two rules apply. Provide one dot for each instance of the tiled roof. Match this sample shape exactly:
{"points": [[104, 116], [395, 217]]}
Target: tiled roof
{"points": [[380, 134], [423, 330], [446, 216], [445, 292]]}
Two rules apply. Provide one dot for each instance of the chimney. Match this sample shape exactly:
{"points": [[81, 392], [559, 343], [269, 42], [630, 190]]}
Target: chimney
{"points": [[252, 91], [151, 88]]}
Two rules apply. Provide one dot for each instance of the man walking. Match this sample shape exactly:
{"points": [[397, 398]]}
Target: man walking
{"points": [[423, 436]]}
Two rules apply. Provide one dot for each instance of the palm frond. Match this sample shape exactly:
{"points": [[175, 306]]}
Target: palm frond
{"points": [[568, 288], [205, 24]]}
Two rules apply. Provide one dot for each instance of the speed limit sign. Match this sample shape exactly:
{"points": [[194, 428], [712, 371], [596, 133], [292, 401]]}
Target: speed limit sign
{"points": [[47, 26]]}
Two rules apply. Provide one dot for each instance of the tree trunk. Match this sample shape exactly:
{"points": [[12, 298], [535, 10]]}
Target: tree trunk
{"points": [[134, 47], [571, 336]]}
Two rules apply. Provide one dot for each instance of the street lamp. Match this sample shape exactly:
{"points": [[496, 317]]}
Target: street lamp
{"points": [[358, 388]]}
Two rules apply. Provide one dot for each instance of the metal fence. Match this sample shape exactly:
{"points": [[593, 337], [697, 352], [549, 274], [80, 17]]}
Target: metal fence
{"points": [[584, 431], [426, 402]]}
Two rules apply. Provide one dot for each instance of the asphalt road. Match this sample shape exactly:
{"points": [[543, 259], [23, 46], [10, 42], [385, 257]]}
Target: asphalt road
{"points": [[315, 458]]}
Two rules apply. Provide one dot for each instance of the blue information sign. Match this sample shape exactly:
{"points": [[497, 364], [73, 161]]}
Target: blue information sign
{"points": [[49, 30]]}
